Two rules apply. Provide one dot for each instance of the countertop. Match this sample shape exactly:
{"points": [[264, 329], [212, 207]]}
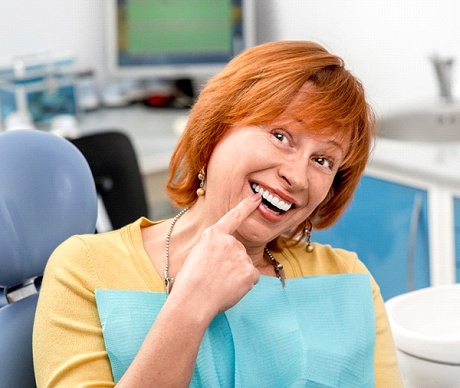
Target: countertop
{"points": [[153, 131], [434, 162]]}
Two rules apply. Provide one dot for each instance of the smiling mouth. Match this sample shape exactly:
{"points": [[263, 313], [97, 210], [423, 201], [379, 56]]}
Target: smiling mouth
{"points": [[271, 201]]}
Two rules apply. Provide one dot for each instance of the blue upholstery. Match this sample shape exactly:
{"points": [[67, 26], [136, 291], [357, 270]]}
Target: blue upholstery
{"points": [[16, 321], [47, 194]]}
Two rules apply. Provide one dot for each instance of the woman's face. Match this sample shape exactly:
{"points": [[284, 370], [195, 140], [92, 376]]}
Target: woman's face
{"points": [[291, 167]]}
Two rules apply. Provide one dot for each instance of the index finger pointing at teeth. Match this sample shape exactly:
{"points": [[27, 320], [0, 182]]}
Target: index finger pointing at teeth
{"points": [[235, 217]]}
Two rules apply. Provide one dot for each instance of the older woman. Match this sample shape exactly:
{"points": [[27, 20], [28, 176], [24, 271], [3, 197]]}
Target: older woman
{"points": [[231, 292]]}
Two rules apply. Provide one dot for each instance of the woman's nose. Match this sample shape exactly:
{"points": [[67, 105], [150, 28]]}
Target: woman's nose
{"points": [[294, 172]]}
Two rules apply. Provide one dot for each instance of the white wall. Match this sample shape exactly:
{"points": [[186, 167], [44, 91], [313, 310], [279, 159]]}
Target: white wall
{"points": [[386, 43], [36, 26]]}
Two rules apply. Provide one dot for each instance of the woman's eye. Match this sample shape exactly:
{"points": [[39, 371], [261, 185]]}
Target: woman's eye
{"points": [[325, 162], [281, 137]]}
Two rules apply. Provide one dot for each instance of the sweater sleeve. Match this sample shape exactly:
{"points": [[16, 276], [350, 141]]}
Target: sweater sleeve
{"points": [[68, 346], [386, 368]]}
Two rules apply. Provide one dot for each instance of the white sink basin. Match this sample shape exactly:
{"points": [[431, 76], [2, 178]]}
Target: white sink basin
{"points": [[426, 323], [434, 124]]}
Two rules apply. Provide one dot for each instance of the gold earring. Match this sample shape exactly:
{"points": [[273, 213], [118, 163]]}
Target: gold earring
{"points": [[201, 176], [307, 231]]}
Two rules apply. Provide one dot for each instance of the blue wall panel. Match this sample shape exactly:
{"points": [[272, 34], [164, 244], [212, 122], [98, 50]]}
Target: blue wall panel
{"points": [[377, 226]]}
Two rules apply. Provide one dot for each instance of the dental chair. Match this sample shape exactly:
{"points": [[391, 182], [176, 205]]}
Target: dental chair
{"points": [[113, 161], [47, 194]]}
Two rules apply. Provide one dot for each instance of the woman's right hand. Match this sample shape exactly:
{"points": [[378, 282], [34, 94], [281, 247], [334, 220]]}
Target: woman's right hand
{"points": [[216, 275], [218, 271]]}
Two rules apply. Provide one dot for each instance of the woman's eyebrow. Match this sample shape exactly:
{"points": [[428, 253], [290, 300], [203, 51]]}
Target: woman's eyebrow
{"points": [[337, 145]]}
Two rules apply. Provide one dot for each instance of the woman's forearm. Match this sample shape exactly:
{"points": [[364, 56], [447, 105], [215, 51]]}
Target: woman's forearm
{"points": [[168, 355]]}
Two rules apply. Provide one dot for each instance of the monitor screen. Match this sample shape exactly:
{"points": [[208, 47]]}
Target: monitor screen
{"points": [[176, 38]]}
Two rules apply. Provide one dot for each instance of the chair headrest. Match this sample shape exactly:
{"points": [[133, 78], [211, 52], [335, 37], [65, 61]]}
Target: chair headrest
{"points": [[47, 194]]}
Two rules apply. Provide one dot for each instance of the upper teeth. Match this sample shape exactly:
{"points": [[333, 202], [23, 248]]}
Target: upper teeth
{"points": [[273, 199]]}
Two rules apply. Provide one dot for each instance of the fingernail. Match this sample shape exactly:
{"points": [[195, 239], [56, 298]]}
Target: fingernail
{"points": [[255, 197]]}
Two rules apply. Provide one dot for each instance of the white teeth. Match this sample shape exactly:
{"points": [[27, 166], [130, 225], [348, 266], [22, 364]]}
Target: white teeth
{"points": [[273, 199]]}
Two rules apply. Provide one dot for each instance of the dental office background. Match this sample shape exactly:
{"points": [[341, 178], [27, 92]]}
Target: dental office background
{"points": [[386, 43]]}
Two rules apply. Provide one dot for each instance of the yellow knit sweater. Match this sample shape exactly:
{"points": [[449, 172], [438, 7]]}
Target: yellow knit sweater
{"points": [[68, 345]]}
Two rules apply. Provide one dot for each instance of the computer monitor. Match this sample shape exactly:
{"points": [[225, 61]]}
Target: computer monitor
{"points": [[176, 39]]}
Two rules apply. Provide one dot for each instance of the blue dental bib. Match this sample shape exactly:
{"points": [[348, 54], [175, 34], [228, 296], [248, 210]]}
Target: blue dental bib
{"points": [[317, 332]]}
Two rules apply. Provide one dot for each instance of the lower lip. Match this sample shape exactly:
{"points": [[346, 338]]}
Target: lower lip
{"points": [[269, 215]]}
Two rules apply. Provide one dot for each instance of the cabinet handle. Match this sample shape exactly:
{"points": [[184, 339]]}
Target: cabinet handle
{"points": [[414, 222]]}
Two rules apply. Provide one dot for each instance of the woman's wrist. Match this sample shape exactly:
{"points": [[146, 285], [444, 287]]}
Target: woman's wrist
{"points": [[192, 308]]}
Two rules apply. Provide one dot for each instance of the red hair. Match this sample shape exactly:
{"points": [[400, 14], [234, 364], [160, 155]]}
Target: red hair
{"points": [[256, 88]]}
